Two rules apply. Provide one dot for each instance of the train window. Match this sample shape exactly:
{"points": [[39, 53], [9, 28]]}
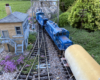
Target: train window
{"points": [[60, 34], [45, 21], [64, 33]]}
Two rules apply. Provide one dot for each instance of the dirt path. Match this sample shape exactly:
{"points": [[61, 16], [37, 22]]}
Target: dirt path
{"points": [[29, 10]]}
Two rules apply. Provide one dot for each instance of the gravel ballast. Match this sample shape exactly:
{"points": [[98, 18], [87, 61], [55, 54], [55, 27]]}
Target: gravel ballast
{"points": [[55, 64]]}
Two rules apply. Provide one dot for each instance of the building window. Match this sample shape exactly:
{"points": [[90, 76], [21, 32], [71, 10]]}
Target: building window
{"points": [[18, 30]]}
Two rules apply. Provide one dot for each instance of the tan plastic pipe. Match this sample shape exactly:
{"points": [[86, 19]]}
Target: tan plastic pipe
{"points": [[83, 66]]}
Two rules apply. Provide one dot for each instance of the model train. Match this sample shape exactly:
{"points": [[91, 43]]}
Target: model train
{"points": [[60, 36], [82, 65]]}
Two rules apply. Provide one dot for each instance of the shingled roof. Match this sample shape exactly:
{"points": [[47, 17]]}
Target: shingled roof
{"points": [[14, 17]]}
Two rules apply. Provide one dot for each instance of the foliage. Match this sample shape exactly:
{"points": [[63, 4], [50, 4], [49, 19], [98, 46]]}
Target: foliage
{"points": [[29, 47], [90, 41], [10, 63], [20, 6], [64, 4], [28, 65], [20, 60], [31, 38], [70, 7], [30, 20], [63, 19], [9, 66], [90, 19]]}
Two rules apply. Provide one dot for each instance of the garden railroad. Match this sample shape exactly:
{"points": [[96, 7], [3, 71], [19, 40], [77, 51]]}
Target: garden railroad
{"points": [[66, 69], [43, 60], [39, 66], [58, 63], [51, 61], [60, 37]]}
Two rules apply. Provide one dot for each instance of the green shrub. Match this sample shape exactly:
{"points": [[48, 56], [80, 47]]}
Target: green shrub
{"points": [[31, 38], [64, 4], [63, 19], [90, 19], [33, 33], [70, 7], [29, 47]]}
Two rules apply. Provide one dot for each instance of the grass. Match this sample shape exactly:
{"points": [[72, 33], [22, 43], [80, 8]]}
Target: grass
{"points": [[29, 47], [20, 6], [32, 38], [90, 41]]}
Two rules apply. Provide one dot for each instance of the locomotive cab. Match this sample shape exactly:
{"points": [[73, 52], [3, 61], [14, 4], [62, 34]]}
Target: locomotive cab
{"points": [[41, 18], [64, 40]]}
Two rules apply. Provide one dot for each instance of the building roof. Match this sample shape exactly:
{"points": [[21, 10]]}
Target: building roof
{"points": [[14, 17]]}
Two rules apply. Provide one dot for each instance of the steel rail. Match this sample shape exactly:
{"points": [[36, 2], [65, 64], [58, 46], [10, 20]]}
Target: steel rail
{"points": [[46, 58], [38, 62], [35, 58], [25, 62], [39, 57], [37, 40]]}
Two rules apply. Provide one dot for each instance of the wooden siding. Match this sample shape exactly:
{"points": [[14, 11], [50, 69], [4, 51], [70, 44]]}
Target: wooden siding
{"points": [[11, 28], [6, 47]]}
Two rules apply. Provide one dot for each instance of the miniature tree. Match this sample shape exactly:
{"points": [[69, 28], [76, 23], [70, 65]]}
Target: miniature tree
{"points": [[84, 14], [64, 4]]}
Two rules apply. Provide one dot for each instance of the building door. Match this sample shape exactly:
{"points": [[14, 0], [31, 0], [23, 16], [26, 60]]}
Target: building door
{"points": [[5, 34]]}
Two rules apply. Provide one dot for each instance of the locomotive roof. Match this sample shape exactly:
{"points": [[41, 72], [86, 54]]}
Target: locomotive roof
{"points": [[64, 39], [55, 27], [42, 16], [39, 12]]}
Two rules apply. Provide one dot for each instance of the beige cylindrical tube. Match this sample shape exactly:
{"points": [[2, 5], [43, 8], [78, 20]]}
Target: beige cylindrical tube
{"points": [[83, 66]]}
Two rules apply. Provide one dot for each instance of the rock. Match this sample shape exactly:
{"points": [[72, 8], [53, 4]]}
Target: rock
{"points": [[1, 72], [57, 77]]}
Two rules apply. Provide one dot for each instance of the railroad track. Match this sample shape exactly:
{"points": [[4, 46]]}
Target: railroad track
{"points": [[43, 60], [65, 67], [37, 63]]}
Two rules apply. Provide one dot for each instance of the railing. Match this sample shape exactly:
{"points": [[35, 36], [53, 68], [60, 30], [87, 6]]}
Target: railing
{"points": [[15, 49], [9, 41], [4, 40], [22, 45]]}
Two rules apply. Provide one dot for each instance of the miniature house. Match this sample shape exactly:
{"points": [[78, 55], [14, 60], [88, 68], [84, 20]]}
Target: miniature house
{"points": [[14, 30]]}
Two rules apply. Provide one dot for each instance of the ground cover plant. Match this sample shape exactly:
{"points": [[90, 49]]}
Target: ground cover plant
{"points": [[20, 6], [29, 63], [29, 47], [12, 63]]}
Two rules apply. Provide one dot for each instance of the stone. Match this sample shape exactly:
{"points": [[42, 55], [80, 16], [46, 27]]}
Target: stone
{"points": [[1, 72], [57, 77]]}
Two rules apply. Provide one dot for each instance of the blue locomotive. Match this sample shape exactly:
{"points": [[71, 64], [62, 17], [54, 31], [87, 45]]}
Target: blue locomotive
{"points": [[41, 18], [60, 36]]}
